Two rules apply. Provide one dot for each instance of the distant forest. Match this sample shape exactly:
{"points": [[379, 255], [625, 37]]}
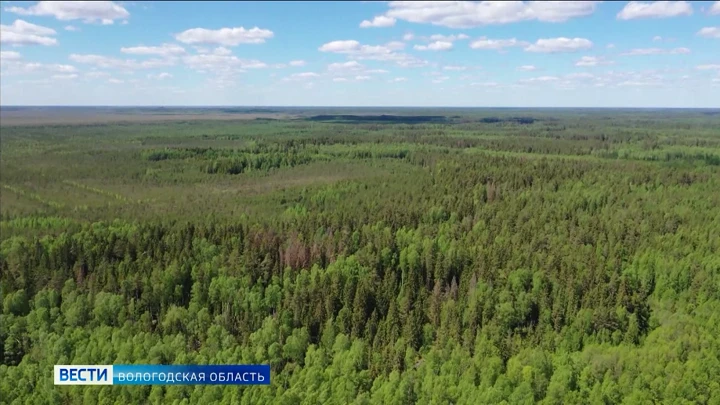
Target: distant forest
{"points": [[520, 257]]}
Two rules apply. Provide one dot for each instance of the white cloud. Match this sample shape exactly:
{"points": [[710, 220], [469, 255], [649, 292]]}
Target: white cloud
{"points": [[709, 32], [115, 81], [24, 33], [708, 67], [610, 46], [639, 83], [304, 75], [455, 68], [408, 37], [592, 61], [657, 38], [354, 50], [224, 36], [580, 76], [441, 79], [527, 68], [88, 11], [540, 79], [656, 51], [448, 38], [220, 62], [362, 78], [398, 80], [222, 51], [340, 79], [64, 77], [56, 67], [485, 84], [95, 75], [395, 45], [297, 63], [343, 46], [9, 56], [469, 14], [160, 76], [715, 9], [435, 46], [557, 45], [379, 21], [345, 66], [655, 9], [12, 64], [71, 28], [496, 44], [114, 63], [352, 68], [163, 50]]}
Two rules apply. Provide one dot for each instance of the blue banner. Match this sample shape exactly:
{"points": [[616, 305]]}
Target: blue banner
{"points": [[147, 374]]}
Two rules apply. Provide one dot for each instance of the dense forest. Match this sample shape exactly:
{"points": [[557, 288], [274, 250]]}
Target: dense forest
{"points": [[556, 257]]}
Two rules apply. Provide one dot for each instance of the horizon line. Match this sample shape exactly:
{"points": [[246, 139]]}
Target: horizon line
{"points": [[344, 106]]}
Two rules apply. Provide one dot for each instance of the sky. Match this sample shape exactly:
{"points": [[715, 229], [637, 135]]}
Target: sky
{"points": [[396, 53]]}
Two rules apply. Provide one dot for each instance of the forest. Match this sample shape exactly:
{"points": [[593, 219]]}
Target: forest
{"points": [[483, 257]]}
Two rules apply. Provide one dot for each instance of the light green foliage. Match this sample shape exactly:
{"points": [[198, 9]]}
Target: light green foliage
{"points": [[568, 260]]}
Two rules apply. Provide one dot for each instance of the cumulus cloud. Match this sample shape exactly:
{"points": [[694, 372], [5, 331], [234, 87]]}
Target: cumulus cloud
{"points": [[340, 79], [6, 56], [540, 79], [469, 14], [165, 50], [455, 68], [709, 32], [448, 38], [225, 36], [408, 37], [343, 46], [557, 45], [215, 62], [116, 81], [95, 74], [527, 68], [656, 51], [22, 32], [485, 84], [580, 76], [87, 11], [435, 46], [345, 66], [715, 9], [12, 64], [354, 50], [64, 77], [106, 62], [71, 28], [496, 44], [708, 67], [397, 80], [655, 9], [657, 38], [297, 63], [303, 76], [379, 21], [592, 61], [160, 76], [352, 68]]}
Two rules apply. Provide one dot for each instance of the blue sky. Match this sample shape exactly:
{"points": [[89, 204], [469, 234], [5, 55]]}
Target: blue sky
{"points": [[545, 54]]}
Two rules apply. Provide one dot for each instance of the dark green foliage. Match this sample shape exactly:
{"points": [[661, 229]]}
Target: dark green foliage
{"points": [[368, 264]]}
